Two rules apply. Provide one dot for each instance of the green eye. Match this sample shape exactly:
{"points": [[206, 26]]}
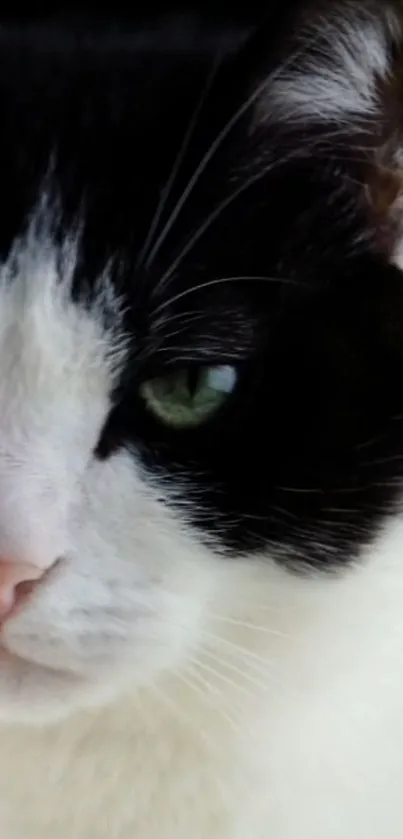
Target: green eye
{"points": [[187, 397]]}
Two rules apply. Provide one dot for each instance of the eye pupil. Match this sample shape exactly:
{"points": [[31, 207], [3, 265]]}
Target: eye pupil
{"points": [[193, 380]]}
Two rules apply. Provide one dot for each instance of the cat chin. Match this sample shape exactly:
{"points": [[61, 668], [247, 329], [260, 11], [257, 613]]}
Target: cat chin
{"points": [[31, 694], [35, 694]]}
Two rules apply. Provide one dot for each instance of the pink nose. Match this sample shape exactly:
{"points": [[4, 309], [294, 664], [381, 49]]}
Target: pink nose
{"points": [[16, 582]]}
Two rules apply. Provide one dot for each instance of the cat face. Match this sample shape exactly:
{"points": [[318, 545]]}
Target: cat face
{"points": [[199, 332]]}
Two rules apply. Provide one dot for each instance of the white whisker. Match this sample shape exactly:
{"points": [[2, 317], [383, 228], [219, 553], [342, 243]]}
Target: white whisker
{"points": [[164, 197], [237, 686], [218, 281], [260, 684], [226, 202], [215, 145], [236, 723], [238, 650], [244, 624], [180, 715], [206, 224]]}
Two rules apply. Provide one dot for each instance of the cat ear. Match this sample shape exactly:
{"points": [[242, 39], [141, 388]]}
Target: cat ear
{"points": [[336, 54], [322, 81], [329, 82]]}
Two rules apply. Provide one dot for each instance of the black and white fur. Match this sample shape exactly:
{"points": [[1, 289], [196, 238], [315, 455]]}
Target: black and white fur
{"points": [[218, 651]]}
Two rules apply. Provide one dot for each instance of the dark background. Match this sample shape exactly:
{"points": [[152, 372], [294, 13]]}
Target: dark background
{"points": [[120, 12]]}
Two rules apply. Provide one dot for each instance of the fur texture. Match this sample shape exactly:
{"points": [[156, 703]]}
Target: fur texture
{"points": [[217, 652]]}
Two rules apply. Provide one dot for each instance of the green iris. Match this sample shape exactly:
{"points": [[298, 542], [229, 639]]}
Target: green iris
{"points": [[187, 397]]}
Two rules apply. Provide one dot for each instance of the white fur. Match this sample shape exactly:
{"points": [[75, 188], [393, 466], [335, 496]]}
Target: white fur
{"points": [[341, 82], [151, 688], [297, 731]]}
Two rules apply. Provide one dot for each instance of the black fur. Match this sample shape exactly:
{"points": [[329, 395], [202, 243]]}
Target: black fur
{"points": [[307, 456]]}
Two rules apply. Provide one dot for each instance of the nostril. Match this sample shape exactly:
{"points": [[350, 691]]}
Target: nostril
{"points": [[17, 582], [24, 589], [22, 592]]}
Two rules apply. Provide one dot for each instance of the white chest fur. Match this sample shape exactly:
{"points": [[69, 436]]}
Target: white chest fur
{"points": [[121, 774]]}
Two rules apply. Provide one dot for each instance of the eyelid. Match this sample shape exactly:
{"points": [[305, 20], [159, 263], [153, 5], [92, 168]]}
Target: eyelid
{"points": [[154, 370]]}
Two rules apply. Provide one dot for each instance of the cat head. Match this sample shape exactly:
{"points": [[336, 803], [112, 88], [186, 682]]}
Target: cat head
{"points": [[200, 331]]}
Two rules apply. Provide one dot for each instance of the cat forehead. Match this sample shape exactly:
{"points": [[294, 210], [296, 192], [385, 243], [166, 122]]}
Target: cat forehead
{"points": [[52, 318], [109, 115], [114, 114]]}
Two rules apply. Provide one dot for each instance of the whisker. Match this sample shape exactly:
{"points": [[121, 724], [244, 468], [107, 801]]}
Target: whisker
{"points": [[253, 666], [218, 281], [206, 224], [238, 686], [179, 713], [199, 171], [228, 201], [236, 721], [183, 718], [209, 154], [164, 197], [187, 317], [239, 650], [255, 627], [188, 355], [213, 690]]}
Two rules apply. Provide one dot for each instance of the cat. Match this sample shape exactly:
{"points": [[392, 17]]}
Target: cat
{"points": [[201, 426]]}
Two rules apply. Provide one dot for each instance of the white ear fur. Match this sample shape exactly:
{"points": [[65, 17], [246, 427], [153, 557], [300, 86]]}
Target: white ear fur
{"points": [[337, 60], [342, 76]]}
